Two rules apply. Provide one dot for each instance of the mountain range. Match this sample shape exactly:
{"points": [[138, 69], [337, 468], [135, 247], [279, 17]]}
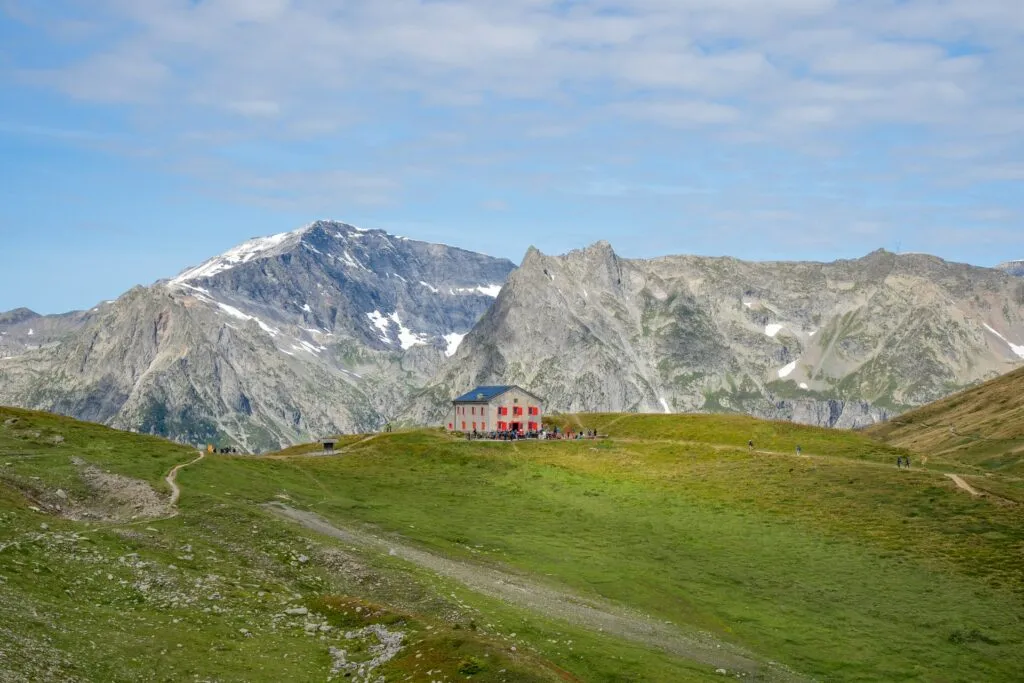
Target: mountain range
{"points": [[331, 328], [842, 344], [324, 329]]}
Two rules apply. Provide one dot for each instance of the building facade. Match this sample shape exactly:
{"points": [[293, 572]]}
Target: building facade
{"points": [[497, 409]]}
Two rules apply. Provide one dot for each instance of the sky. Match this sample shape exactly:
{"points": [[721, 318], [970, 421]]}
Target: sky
{"points": [[140, 137]]}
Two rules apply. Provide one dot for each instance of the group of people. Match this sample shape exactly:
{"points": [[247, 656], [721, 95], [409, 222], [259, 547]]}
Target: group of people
{"points": [[512, 435], [556, 433], [902, 461], [504, 435]]}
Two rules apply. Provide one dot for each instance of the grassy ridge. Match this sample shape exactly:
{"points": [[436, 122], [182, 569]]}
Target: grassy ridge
{"points": [[981, 427], [733, 431]]}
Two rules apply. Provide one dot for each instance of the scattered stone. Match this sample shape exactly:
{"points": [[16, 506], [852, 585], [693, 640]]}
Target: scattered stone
{"points": [[61, 494], [303, 559], [296, 611], [44, 526], [723, 672]]}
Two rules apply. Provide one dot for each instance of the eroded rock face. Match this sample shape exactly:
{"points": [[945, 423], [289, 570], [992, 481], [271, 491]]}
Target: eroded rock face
{"points": [[1013, 267], [332, 329], [282, 339], [840, 344]]}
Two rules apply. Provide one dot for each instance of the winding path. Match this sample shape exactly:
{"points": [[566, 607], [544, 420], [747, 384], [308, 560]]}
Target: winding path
{"points": [[172, 479]]}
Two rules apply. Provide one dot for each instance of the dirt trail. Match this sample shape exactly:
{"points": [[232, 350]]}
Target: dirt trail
{"points": [[172, 480], [595, 615], [959, 481]]}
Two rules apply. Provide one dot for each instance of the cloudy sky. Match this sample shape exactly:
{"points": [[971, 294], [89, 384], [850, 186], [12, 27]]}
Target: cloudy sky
{"points": [[141, 136]]}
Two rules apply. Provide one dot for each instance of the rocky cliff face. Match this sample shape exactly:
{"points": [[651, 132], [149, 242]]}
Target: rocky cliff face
{"points": [[839, 344], [1013, 267], [322, 330]]}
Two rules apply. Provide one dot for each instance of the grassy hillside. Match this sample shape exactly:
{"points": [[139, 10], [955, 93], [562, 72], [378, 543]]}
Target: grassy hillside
{"points": [[982, 427], [835, 563]]}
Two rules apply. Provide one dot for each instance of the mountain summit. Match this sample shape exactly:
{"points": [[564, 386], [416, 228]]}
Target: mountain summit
{"points": [[283, 338]]}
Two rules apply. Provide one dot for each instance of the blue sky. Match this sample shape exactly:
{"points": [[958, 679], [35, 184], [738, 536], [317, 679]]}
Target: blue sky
{"points": [[137, 138]]}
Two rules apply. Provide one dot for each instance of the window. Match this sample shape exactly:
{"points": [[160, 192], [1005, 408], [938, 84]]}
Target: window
{"points": [[503, 410], [518, 410], [532, 426], [474, 425], [503, 426], [483, 426], [533, 410], [463, 425]]}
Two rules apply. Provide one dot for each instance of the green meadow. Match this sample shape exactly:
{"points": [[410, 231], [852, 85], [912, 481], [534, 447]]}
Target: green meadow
{"points": [[834, 563]]}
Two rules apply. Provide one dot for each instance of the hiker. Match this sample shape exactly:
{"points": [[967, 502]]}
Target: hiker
{"points": [[899, 462], [906, 461], [750, 444], [798, 451]]}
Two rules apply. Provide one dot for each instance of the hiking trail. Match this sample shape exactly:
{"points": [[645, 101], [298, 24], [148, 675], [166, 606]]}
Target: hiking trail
{"points": [[172, 480], [594, 614], [959, 481]]}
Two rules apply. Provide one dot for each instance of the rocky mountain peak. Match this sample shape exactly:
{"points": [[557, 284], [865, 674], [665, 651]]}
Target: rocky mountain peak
{"points": [[1013, 267], [18, 315]]}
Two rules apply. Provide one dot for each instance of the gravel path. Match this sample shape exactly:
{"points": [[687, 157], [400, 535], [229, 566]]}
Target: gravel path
{"points": [[595, 615]]}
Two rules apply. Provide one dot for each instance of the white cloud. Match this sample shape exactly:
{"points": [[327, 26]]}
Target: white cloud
{"points": [[819, 77]]}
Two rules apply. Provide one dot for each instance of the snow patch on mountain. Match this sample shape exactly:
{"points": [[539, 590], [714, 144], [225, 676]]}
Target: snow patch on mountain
{"points": [[406, 337], [788, 370], [664, 405], [235, 313], [380, 321], [1016, 348], [773, 329], [487, 290], [452, 342], [243, 253]]}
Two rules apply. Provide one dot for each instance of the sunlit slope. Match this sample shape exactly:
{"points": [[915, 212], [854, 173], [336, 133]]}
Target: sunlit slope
{"points": [[820, 562], [982, 426], [733, 431], [212, 590]]}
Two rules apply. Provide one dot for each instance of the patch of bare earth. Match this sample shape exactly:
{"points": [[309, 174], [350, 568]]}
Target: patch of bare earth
{"points": [[115, 497]]}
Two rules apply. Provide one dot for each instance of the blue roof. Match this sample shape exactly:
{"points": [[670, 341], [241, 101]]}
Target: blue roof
{"points": [[482, 394]]}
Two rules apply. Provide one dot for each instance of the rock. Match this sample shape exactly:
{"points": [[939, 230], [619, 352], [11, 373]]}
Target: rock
{"points": [[61, 494], [723, 672], [296, 612], [303, 559], [44, 526]]}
